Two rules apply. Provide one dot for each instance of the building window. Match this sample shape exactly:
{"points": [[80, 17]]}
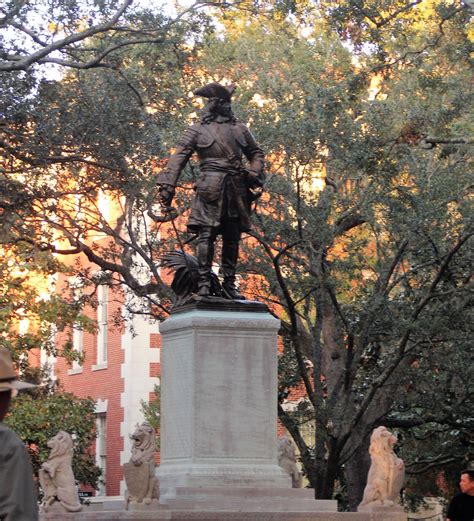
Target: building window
{"points": [[102, 324], [76, 286], [77, 344], [101, 450]]}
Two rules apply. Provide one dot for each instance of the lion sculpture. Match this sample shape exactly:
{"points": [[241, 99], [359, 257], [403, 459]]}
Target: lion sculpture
{"points": [[287, 461], [139, 472], [386, 473], [56, 476]]}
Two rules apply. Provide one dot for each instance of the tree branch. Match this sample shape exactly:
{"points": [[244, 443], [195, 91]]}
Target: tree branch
{"points": [[423, 49], [384, 21], [347, 222], [44, 161], [428, 464], [97, 60], [23, 63], [290, 309], [392, 16]]}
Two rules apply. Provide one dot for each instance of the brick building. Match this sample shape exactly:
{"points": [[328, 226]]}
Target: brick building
{"points": [[119, 370]]}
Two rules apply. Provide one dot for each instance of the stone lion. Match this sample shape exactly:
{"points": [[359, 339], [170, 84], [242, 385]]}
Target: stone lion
{"points": [[139, 473], [56, 476], [386, 473], [287, 460]]}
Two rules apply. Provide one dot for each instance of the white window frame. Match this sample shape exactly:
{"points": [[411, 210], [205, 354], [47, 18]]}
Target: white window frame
{"points": [[77, 345], [101, 449], [102, 323], [76, 285]]}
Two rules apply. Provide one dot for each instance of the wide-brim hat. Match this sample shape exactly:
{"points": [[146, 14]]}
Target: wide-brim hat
{"points": [[8, 377], [216, 90]]}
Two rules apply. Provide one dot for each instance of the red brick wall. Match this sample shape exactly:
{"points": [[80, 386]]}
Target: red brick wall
{"points": [[103, 384]]}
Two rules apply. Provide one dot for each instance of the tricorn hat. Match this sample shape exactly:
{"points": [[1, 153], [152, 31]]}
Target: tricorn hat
{"points": [[8, 377], [216, 90]]}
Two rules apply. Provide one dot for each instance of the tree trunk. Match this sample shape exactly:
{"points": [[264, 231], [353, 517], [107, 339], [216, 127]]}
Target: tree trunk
{"points": [[327, 472], [357, 469]]}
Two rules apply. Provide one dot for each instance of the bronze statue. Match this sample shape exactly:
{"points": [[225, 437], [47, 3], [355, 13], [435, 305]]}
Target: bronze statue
{"points": [[224, 189]]}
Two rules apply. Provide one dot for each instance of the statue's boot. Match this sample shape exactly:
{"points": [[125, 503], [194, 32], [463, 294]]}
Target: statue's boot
{"points": [[205, 254], [230, 255]]}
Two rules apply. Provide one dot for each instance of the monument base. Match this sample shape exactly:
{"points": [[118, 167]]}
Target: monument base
{"points": [[246, 499], [199, 476], [133, 506], [187, 515], [55, 508], [380, 509]]}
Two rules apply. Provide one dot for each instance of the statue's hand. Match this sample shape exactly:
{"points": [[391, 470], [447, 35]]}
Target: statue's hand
{"points": [[253, 180], [166, 195]]}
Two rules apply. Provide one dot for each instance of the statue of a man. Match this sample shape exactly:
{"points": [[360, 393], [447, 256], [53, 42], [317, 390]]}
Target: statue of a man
{"points": [[224, 189]]}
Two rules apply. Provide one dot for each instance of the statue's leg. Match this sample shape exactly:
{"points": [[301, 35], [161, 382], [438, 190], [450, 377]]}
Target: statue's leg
{"points": [[230, 255], [151, 483], [150, 493], [48, 487], [205, 254]]}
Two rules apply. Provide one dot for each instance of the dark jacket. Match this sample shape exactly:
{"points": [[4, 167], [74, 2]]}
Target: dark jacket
{"points": [[461, 508], [18, 501], [220, 148]]}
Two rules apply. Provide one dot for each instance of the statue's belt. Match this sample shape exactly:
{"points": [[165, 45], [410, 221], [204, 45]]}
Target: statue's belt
{"points": [[210, 166]]}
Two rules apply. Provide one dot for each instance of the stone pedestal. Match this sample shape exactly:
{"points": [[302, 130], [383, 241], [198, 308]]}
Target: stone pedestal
{"points": [[380, 510], [153, 506], [185, 515], [219, 399], [243, 499]]}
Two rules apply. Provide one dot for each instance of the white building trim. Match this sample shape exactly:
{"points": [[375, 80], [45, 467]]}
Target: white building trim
{"points": [[135, 371]]}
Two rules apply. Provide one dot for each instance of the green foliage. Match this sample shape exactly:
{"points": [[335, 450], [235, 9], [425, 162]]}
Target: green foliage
{"points": [[26, 298], [289, 376], [40, 414], [152, 412]]}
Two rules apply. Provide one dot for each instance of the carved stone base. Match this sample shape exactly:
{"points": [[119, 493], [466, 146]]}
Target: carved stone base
{"points": [[378, 507], [377, 511], [143, 507], [245, 499], [55, 508]]}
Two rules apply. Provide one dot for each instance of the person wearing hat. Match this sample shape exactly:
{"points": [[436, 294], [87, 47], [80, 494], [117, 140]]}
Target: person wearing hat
{"points": [[18, 498], [224, 189]]}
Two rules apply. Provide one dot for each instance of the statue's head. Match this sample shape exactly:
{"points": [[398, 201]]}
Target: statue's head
{"points": [[286, 448], [382, 441], [143, 434], [219, 101], [60, 444]]}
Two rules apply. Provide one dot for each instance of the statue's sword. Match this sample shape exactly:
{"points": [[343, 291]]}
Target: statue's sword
{"points": [[169, 214]]}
